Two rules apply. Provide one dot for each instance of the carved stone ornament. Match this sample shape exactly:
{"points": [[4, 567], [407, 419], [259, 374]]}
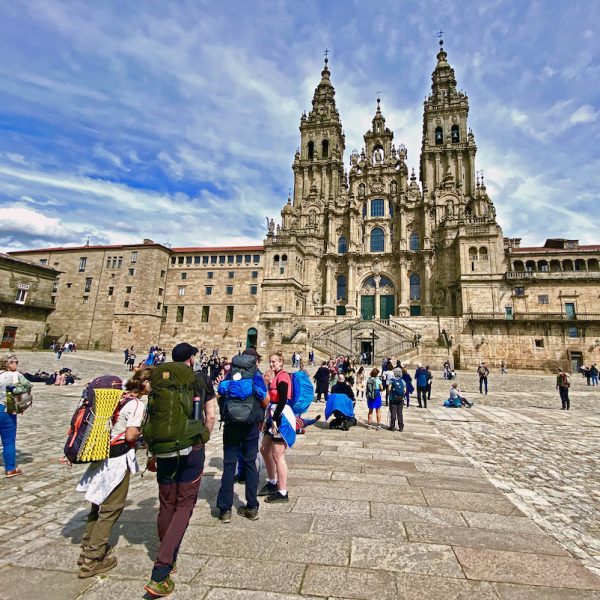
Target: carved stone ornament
{"points": [[377, 186]]}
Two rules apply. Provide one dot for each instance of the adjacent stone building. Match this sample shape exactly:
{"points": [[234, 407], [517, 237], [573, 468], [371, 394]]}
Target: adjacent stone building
{"points": [[25, 301], [366, 260]]}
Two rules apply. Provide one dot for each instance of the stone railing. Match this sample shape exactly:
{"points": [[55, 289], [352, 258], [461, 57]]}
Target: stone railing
{"points": [[533, 317]]}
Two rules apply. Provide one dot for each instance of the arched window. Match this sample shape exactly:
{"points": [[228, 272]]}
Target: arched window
{"points": [[415, 287], [519, 266], [377, 240], [580, 265], [593, 264], [342, 245], [276, 258], [483, 253], [530, 266], [284, 258], [555, 266], [439, 136], [377, 208], [324, 148], [341, 288], [567, 265], [543, 266], [472, 253], [455, 134], [311, 150], [414, 241]]}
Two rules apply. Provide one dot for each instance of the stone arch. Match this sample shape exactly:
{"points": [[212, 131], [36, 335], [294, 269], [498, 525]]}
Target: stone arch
{"points": [[530, 266], [543, 266], [518, 266]]}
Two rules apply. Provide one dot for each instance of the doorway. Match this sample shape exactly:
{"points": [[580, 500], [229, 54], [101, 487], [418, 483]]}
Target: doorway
{"points": [[252, 338], [8, 337], [570, 310], [367, 307], [386, 306], [576, 361], [366, 348]]}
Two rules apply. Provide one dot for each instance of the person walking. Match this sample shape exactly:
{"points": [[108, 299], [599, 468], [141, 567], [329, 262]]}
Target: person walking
{"points": [[483, 373], [407, 384], [503, 370], [9, 377], [279, 385], [181, 416], [421, 379], [360, 383], [106, 483], [563, 383], [374, 389], [397, 401], [240, 439], [429, 382], [594, 374], [321, 379]]}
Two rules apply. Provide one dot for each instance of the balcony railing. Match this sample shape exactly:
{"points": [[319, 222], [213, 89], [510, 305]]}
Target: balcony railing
{"points": [[533, 317], [542, 275], [29, 302]]}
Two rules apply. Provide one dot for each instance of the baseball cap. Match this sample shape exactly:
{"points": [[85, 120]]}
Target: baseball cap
{"points": [[183, 352]]}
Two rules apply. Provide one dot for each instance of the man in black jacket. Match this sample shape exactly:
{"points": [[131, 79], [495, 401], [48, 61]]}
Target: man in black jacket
{"points": [[321, 379]]}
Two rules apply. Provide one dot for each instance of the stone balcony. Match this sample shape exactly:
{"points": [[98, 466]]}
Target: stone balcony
{"points": [[552, 275]]}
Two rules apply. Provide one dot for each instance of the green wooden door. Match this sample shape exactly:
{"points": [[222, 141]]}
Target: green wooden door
{"points": [[386, 306], [367, 307]]}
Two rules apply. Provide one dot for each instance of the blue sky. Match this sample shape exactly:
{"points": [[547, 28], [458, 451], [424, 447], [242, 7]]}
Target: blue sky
{"points": [[178, 120]]}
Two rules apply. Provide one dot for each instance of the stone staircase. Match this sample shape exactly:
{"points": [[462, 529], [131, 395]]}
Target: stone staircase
{"points": [[344, 338]]}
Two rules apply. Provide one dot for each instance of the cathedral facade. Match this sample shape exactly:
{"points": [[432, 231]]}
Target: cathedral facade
{"points": [[367, 258]]}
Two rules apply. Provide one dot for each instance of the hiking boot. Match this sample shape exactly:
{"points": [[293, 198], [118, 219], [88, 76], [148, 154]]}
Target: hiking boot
{"points": [[268, 488], [249, 513], [158, 589], [89, 568], [107, 552], [276, 497], [225, 516]]}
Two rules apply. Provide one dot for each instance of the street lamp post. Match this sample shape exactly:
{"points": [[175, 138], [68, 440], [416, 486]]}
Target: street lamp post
{"points": [[373, 348]]}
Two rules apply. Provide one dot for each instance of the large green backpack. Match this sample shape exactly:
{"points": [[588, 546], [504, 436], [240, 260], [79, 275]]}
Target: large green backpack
{"points": [[169, 426]]}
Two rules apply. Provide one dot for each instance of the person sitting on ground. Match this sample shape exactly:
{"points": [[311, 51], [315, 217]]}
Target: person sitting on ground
{"points": [[341, 387], [302, 424], [457, 398]]}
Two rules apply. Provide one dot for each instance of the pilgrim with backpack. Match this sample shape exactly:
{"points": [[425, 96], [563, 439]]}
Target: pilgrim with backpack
{"points": [[397, 393]]}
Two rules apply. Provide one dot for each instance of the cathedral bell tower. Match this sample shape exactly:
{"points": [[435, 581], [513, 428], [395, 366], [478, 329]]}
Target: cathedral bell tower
{"points": [[318, 165], [448, 146]]}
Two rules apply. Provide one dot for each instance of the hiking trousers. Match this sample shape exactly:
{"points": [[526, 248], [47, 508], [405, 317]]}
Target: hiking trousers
{"points": [[240, 440], [178, 484], [396, 414], [564, 397], [101, 520], [422, 395]]}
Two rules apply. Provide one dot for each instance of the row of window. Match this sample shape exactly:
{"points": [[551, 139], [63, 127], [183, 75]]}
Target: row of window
{"points": [[179, 315], [208, 290], [222, 259], [377, 241], [211, 274], [384, 282]]}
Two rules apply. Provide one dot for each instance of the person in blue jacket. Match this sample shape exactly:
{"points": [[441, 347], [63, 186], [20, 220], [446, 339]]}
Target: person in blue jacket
{"points": [[421, 377]]}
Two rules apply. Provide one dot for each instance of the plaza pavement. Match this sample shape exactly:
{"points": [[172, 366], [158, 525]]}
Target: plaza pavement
{"points": [[500, 501]]}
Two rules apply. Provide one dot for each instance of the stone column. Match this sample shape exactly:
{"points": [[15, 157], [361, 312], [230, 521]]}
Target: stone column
{"points": [[427, 288], [403, 307], [351, 303], [329, 306]]}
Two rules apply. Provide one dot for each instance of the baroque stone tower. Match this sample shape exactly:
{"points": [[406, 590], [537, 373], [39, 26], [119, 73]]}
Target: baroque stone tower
{"points": [[371, 242]]}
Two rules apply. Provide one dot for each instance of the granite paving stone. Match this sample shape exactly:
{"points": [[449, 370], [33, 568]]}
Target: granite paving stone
{"points": [[529, 569], [391, 555], [339, 582], [482, 538], [462, 504]]}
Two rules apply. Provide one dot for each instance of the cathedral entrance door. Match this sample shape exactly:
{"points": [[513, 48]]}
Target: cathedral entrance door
{"points": [[366, 349], [386, 306], [367, 307]]}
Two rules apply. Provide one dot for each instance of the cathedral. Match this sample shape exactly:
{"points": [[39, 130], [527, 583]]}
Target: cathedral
{"points": [[368, 258]]}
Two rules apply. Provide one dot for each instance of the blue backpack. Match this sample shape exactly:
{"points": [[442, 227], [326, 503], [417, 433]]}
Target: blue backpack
{"points": [[398, 390], [303, 392], [240, 397]]}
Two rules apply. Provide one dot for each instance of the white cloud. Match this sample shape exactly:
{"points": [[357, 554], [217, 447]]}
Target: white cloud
{"points": [[584, 114]]}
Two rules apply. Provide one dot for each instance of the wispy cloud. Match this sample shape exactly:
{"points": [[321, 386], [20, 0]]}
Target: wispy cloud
{"points": [[180, 121]]}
